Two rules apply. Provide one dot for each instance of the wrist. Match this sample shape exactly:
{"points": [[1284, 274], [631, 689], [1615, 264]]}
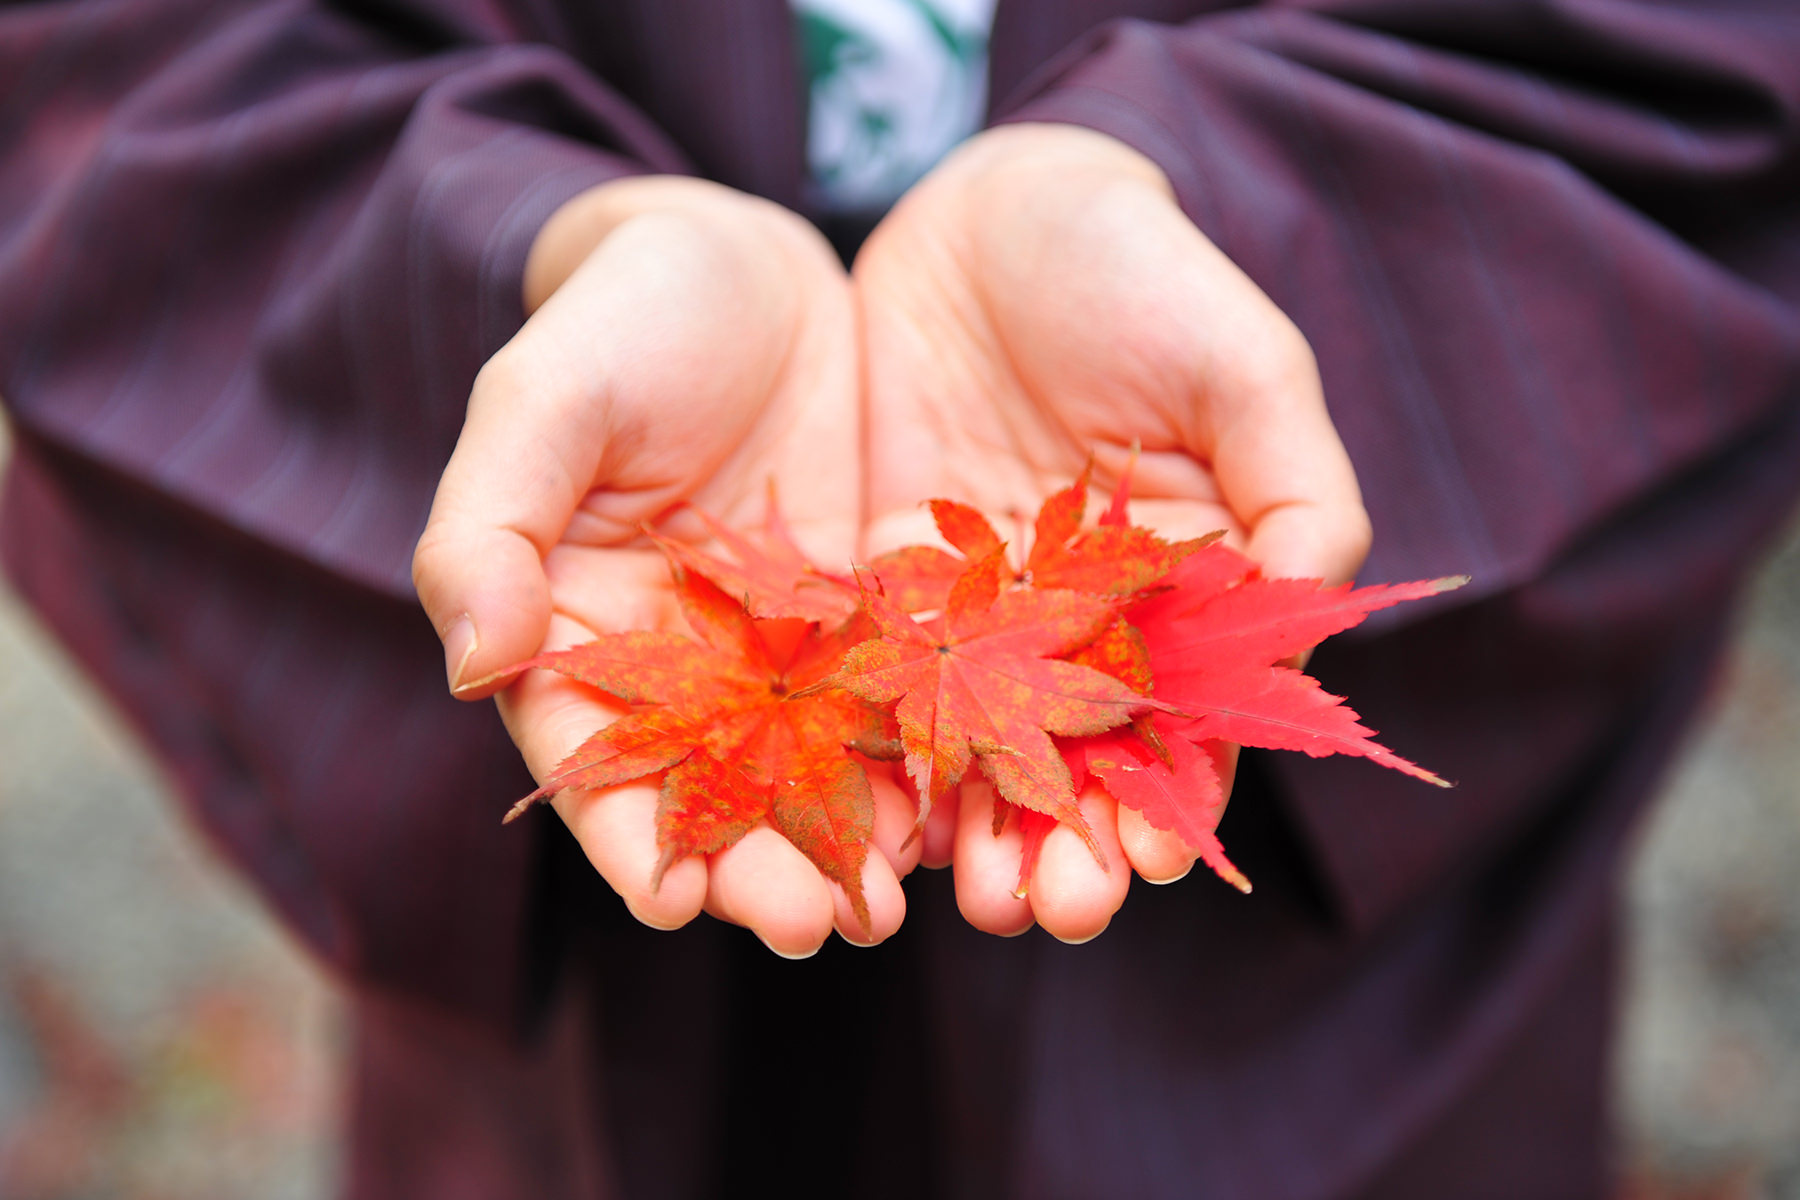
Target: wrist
{"points": [[1033, 151], [585, 220]]}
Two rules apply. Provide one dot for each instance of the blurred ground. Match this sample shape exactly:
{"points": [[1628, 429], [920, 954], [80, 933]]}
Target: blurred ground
{"points": [[161, 1040], [1709, 1069]]}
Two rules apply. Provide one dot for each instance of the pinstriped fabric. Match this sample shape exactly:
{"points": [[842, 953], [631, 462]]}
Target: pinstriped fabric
{"points": [[384, 184], [244, 308], [1517, 348], [1501, 231]]}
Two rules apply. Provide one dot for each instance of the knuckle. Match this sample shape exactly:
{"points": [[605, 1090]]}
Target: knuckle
{"points": [[1357, 536], [501, 375], [430, 559], [1285, 362], [1290, 344]]}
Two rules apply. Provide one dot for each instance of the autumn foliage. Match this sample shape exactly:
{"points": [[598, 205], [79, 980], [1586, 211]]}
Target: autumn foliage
{"points": [[1104, 653]]}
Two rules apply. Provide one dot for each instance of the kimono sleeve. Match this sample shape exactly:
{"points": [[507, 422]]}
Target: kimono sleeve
{"points": [[251, 258], [1548, 256]]}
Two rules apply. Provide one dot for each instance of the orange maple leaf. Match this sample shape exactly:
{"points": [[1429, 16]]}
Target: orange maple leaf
{"points": [[740, 737], [1112, 559], [983, 683]]}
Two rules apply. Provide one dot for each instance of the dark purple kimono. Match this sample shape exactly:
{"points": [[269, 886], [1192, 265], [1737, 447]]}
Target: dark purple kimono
{"points": [[1548, 253]]}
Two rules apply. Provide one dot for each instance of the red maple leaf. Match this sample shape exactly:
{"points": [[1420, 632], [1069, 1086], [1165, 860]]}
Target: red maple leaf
{"points": [[1171, 781], [1208, 636], [1217, 637], [983, 683], [732, 723], [1216, 654], [1034, 827]]}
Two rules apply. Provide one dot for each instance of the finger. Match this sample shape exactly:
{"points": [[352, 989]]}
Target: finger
{"points": [[987, 867], [636, 379], [937, 841], [1267, 434], [1072, 896], [616, 828], [549, 716], [1156, 854], [886, 901], [489, 618], [1306, 541], [896, 814], [1250, 404], [1280, 464], [612, 591], [766, 885], [520, 468]]}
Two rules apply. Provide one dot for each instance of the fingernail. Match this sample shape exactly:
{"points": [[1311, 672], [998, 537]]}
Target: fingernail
{"points": [[460, 645], [1171, 879], [659, 926], [784, 954], [1082, 941]]}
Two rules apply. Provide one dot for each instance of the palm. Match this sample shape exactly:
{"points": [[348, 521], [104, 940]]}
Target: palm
{"points": [[1048, 365]]}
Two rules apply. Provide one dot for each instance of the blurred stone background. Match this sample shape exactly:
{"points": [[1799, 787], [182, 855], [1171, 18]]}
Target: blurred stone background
{"points": [[1709, 1068], [161, 1039]]}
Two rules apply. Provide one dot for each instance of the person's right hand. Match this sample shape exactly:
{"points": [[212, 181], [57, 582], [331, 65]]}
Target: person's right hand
{"points": [[687, 343], [1037, 302]]}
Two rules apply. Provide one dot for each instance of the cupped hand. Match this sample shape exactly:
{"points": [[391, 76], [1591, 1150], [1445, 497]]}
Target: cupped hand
{"points": [[1039, 299], [687, 343]]}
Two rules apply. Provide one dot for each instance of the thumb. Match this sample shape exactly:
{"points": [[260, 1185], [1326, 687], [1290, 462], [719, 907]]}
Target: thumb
{"points": [[1312, 539], [1258, 417], [506, 496], [485, 592]]}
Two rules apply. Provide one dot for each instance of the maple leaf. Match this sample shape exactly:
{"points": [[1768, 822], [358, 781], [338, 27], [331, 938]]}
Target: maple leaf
{"points": [[1119, 650], [1142, 658], [1207, 635], [966, 529], [772, 576], [982, 683], [1215, 639], [1034, 827], [917, 578], [740, 738], [1115, 558], [1172, 782]]}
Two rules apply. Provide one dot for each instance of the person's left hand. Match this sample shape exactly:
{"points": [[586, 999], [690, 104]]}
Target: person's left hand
{"points": [[1040, 298]]}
